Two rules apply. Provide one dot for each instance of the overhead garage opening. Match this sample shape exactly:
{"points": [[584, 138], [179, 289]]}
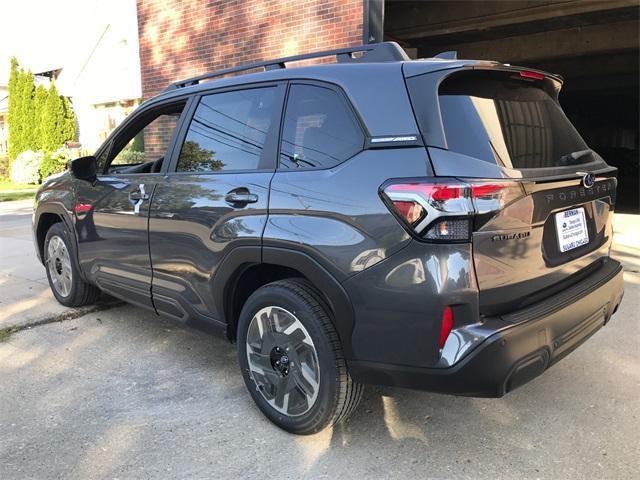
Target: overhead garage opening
{"points": [[594, 45]]}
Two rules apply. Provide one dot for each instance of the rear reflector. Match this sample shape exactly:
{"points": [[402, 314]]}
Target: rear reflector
{"points": [[446, 326]]}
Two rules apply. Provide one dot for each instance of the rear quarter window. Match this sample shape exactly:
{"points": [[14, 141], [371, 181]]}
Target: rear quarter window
{"points": [[320, 129]]}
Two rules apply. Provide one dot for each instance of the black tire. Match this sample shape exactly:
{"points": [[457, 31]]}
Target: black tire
{"points": [[80, 292], [337, 394]]}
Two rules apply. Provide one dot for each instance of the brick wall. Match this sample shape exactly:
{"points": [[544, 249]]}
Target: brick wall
{"points": [[180, 39]]}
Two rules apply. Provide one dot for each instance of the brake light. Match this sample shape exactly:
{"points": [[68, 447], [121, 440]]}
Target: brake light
{"points": [[443, 209], [482, 190], [492, 196], [436, 191], [531, 75], [410, 211], [446, 326]]}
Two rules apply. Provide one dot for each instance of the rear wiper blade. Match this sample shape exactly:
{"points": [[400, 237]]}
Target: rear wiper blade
{"points": [[573, 157]]}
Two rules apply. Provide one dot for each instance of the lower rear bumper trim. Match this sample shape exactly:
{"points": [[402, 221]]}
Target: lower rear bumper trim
{"points": [[513, 355]]}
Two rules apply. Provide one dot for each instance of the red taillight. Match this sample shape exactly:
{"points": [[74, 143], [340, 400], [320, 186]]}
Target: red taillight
{"points": [[410, 211], [436, 191], [531, 75], [492, 196], [443, 193], [483, 189], [445, 326], [441, 209]]}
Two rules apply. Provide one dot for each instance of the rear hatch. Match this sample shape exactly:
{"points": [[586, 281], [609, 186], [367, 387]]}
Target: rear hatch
{"points": [[543, 217]]}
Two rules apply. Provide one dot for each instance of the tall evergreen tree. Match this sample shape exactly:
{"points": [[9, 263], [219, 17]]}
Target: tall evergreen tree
{"points": [[15, 91], [39, 101], [27, 112], [69, 130], [53, 120], [39, 119]]}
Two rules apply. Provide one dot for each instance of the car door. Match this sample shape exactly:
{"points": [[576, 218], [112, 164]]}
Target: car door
{"points": [[112, 214], [214, 197]]}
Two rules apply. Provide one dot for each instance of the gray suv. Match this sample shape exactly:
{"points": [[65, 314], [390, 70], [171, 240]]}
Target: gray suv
{"points": [[436, 224]]}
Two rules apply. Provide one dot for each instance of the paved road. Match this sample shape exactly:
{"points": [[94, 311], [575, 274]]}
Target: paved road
{"points": [[124, 394]]}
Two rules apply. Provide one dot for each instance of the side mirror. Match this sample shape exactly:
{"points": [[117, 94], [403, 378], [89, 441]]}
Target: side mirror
{"points": [[84, 168]]}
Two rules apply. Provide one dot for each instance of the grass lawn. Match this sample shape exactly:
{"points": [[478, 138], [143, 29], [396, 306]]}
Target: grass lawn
{"points": [[15, 191]]}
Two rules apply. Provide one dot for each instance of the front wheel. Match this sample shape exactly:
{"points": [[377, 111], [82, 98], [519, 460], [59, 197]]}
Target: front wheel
{"points": [[63, 271], [292, 360]]}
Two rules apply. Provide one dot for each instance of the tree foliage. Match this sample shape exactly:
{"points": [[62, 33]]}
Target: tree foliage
{"points": [[39, 119], [27, 113], [55, 162], [39, 99], [193, 158], [15, 122]]}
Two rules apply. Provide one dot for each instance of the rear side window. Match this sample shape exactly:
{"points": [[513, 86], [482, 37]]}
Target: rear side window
{"points": [[501, 118], [228, 131], [320, 130]]}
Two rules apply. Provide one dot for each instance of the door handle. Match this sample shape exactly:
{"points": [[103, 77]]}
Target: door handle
{"points": [[138, 195], [240, 197]]}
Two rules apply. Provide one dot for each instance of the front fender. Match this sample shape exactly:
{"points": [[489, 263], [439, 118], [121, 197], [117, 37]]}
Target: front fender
{"points": [[55, 197]]}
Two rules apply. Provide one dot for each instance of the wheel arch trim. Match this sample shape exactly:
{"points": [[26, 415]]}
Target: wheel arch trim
{"points": [[56, 209], [242, 258]]}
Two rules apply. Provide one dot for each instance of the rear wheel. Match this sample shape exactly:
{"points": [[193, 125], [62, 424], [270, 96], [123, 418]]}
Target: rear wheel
{"points": [[292, 360], [63, 271]]}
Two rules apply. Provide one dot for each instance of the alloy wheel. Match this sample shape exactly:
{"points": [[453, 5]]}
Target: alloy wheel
{"points": [[283, 361], [59, 266]]}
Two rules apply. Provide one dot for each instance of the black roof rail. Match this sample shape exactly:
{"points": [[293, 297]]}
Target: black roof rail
{"points": [[374, 52]]}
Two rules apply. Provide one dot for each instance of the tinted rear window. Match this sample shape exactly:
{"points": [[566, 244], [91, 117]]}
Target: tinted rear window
{"points": [[507, 121], [320, 130], [228, 132]]}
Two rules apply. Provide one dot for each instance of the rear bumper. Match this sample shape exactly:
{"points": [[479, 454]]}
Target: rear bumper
{"points": [[519, 346]]}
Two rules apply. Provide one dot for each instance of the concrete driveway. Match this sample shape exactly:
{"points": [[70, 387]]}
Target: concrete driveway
{"points": [[121, 393], [26, 298]]}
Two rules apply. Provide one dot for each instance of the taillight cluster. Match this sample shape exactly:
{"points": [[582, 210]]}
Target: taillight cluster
{"points": [[443, 210]]}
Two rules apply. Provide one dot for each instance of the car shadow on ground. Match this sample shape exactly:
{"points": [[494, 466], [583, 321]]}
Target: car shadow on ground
{"points": [[123, 392]]}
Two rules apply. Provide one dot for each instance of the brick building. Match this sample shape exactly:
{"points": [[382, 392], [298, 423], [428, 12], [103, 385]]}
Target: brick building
{"points": [[594, 44], [181, 39]]}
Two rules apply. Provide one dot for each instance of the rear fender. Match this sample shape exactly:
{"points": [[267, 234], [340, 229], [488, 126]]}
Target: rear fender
{"points": [[241, 258]]}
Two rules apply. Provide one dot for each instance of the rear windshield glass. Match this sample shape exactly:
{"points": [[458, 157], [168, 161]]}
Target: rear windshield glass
{"points": [[508, 121]]}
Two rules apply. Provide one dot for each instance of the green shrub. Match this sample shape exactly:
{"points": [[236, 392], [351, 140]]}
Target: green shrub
{"points": [[26, 167], [4, 165], [55, 162], [129, 155]]}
